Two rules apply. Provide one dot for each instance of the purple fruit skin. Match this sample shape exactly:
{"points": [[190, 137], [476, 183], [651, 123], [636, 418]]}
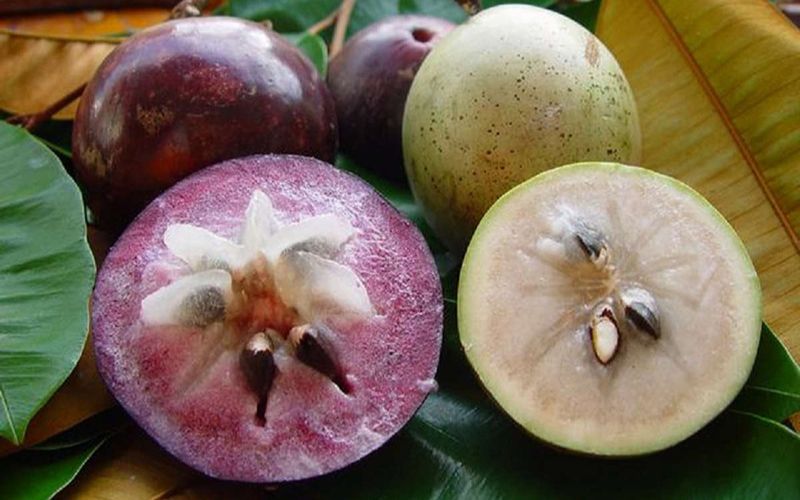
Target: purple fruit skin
{"points": [[370, 79], [189, 93]]}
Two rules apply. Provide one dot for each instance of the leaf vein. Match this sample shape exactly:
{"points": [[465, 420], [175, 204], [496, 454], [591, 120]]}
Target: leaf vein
{"points": [[727, 121]]}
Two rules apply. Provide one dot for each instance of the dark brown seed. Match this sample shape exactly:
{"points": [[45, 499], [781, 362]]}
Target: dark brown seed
{"points": [[312, 350], [590, 240], [641, 310], [258, 365], [643, 318]]}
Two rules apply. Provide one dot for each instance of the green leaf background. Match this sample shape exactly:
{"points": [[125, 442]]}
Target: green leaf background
{"points": [[33, 475], [46, 275], [460, 445]]}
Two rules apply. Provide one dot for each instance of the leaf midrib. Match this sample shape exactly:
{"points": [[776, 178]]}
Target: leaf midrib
{"points": [[721, 110], [7, 412]]}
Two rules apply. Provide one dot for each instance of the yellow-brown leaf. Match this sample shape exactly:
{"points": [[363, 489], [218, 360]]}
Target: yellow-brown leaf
{"points": [[716, 82], [133, 466], [45, 57]]}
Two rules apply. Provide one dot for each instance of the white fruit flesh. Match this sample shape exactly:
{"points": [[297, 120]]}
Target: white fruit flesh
{"points": [[291, 261], [527, 296]]}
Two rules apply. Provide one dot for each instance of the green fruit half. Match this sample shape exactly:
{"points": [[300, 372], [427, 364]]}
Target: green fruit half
{"points": [[608, 309], [512, 92]]}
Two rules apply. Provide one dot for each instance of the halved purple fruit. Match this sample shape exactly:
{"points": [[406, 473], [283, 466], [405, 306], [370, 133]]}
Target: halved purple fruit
{"points": [[269, 319]]}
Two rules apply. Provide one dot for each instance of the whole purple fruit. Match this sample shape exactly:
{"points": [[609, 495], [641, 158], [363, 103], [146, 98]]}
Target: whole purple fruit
{"points": [[187, 94], [369, 80]]}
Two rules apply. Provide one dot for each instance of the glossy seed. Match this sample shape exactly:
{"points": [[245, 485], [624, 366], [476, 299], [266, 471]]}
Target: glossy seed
{"points": [[605, 334], [592, 243], [258, 364], [641, 311], [312, 349]]}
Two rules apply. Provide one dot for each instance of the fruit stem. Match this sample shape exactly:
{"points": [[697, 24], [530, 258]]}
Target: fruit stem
{"points": [[340, 30], [32, 121], [324, 23], [472, 7], [187, 8]]}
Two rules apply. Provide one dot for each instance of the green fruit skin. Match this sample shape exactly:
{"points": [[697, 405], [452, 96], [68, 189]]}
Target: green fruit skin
{"points": [[514, 91]]}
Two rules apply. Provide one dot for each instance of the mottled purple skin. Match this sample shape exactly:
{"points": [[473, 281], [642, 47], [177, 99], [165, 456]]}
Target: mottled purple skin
{"points": [[369, 80], [311, 427], [189, 93]]}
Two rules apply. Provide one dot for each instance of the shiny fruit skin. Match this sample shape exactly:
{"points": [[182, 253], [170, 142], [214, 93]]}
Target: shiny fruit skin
{"points": [[369, 80], [189, 93], [512, 92]]}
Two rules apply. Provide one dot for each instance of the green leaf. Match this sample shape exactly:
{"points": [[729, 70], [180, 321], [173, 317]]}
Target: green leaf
{"points": [[367, 12], [773, 389], [32, 475], [313, 46], [46, 275], [108, 422], [446, 9], [286, 16], [584, 13]]}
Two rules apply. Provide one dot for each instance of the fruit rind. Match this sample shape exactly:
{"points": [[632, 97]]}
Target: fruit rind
{"points": [[666, 437]]}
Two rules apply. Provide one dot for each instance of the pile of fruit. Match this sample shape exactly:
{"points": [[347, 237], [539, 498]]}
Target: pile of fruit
{"points": [[266, 316]]}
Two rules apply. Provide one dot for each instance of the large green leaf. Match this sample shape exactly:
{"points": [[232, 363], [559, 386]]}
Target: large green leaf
{"points": [[773, 389], [46, 274], [33, 475], [459, 445]]}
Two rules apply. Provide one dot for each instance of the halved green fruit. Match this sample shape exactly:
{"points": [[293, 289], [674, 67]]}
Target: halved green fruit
{"points": [[608, 309]]}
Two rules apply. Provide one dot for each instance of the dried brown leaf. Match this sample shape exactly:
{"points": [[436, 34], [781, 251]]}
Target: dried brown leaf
{"points": [[716, 84]]}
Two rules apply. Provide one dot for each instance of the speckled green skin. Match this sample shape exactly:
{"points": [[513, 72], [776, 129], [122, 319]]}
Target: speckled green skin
{"points": [[513, 92]]}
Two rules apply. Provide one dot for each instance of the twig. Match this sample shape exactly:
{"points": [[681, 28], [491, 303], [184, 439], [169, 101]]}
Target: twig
{"points": [[472, 7], [188, 8], [340, 30], [325, 23], [32, 121]]}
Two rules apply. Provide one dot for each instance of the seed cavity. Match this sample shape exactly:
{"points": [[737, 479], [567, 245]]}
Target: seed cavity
{"points": [[312, 348], [258, 364], [641, 311], [605, 334]]}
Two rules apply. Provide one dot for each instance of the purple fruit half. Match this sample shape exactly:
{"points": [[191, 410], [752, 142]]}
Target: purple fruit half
{"points": [[268, 319], [369, 80], [189, 93]]}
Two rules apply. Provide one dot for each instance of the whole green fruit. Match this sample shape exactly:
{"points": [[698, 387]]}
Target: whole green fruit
{"points": [[514, 91]]}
